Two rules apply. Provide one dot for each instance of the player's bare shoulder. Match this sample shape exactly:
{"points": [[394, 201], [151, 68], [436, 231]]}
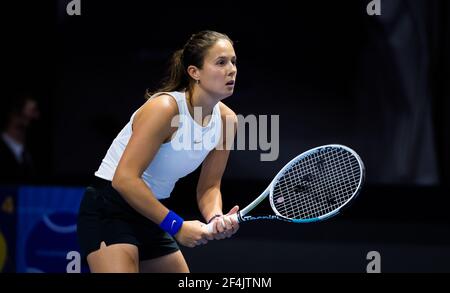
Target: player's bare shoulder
{"points": [[162, 106], [229, 125], [158, 114], [227, 114]]}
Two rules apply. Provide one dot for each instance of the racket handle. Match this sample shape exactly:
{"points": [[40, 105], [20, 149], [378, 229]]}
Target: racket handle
{"points": [[234, 217], [210, 228]]}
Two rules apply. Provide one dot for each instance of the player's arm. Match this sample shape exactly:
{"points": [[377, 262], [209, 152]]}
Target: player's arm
{"points": [[209, 197], [151, 127]]}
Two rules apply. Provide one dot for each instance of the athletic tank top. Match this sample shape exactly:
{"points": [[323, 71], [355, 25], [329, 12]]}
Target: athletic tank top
{"points": [[187, 149]]}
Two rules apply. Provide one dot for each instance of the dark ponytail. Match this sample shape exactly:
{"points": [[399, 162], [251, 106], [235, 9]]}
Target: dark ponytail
{"points": [[176, 77], [193, 53]]}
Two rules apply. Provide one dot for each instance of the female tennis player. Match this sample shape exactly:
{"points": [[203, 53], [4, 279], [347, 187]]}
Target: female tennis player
{"points": [[123, 224]]}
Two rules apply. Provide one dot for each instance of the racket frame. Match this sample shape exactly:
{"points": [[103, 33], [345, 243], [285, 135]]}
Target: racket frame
{"points": [[241, 216]]}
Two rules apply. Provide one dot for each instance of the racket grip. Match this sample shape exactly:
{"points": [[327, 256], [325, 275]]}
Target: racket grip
{"points": [[210, 227], [234, 217]]}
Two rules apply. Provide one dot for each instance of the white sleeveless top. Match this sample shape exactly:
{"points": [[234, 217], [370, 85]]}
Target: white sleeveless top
{"points": [[177, 158]]}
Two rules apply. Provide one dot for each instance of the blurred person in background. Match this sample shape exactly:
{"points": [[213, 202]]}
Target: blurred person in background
{"points": [[15, 158]]}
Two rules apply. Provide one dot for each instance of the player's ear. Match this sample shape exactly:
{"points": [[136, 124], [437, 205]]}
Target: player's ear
{"points": [[193, 72]]}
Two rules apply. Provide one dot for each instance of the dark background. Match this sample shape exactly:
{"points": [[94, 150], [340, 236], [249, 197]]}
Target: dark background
{"points": [[379, 84]]}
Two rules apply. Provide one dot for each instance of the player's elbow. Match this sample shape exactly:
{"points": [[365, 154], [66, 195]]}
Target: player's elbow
{"points": [[116, 182], [120, 181], [203, 189]]}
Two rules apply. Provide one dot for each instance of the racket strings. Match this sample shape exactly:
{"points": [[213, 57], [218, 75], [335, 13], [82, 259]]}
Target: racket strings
{"points": [[314, 202], [315, 205], [317, 184], [291, 207]]}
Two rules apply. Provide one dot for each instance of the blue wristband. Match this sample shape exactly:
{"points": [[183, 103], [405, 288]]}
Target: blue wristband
{"points": [[172, 223]]}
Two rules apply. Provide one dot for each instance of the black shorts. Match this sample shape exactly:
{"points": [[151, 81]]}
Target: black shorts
{"points": [[105, 216]]}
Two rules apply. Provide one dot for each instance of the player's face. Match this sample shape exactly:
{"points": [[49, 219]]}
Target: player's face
{"points": [[218, 74]]}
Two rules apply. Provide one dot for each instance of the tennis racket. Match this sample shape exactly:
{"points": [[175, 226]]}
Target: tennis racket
{"points": [[312, 187]]}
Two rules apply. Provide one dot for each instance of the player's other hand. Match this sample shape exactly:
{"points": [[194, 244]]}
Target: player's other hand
{"points": [[192, 233], [225, 226]]}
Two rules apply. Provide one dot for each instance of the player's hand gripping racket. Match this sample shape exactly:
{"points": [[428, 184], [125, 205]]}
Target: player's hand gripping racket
{"points": [[312, 187]]}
